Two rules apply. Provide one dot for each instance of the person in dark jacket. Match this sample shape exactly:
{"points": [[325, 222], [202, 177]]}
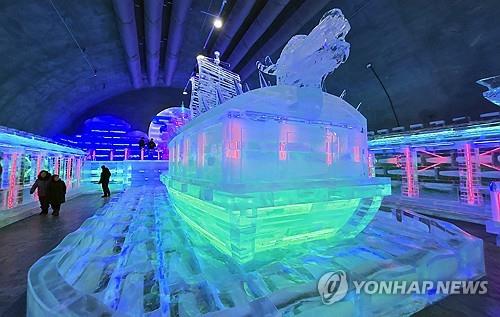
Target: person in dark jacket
{"points": [[151, 144], [104, 181], [142, 143], [42, 184], [56, 194], [151, 147]]}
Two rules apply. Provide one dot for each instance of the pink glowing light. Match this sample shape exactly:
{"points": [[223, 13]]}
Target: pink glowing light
{"points": [[496, 211], [491, 166], [200, 158], [56, 165], [491, 151], [357, 153], [185, 152], [12, 181], [371, 165], [233, 143], [409, 172], [38, 164], [282, 151], [329, 139], [440, 160], [469, 178]]}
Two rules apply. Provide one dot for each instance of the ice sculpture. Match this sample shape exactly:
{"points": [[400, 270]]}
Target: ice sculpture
{"points": [[279, 165], [254, 177], [166, 124], [135, 258], [212, 85], [306, 60], [493, 92]]}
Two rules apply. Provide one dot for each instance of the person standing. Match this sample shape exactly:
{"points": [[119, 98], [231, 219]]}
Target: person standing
{"points": [[42, 184], [151, 148], [56, 194], [104, 181], [142, 143]]}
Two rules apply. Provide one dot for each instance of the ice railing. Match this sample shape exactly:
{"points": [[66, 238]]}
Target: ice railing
{"points": [[19, 138]]}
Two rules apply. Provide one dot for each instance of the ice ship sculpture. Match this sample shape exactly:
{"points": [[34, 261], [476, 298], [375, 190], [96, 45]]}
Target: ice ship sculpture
{"points": [[493, 92], [280, 165]]}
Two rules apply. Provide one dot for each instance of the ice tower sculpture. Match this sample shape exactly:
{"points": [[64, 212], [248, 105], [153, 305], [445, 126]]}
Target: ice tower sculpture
{"points": [[280, 165], [493, 92], [212, 85]]}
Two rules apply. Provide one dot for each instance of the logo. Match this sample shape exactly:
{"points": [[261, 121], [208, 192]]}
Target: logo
{"points": [[332, 287]]}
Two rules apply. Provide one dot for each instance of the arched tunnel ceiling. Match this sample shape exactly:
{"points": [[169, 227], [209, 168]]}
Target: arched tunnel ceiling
{"points": [[428, 53]]}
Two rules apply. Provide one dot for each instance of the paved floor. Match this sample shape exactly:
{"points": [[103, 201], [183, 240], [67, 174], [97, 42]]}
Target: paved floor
{"points": [[23, 242]]}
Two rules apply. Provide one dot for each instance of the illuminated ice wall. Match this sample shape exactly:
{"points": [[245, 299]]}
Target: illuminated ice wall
{"points": [[22, 157]]}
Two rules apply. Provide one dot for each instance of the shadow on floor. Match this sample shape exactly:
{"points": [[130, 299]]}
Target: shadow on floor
{"points": [[25, 241]]}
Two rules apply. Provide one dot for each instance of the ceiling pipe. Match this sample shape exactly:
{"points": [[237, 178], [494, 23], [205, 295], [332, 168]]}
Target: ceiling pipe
{"points": [[289, 28], [180, 9], [239, 12], [265, 18], [153, 13], [125, 13]]}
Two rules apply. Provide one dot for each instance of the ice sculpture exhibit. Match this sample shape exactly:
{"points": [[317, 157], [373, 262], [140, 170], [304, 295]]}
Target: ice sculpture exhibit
{"points": [[266, 191], [22, 157], [278, 165]]}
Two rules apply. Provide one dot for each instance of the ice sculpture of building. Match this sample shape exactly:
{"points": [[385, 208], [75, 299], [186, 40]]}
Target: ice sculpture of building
{"points": [[278, 165], [166, 124]]}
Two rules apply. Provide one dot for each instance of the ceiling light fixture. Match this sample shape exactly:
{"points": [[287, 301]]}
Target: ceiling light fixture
{"points": [[218, 23]]}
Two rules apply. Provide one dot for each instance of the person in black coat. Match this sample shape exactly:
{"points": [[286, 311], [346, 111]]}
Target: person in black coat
{"points": [[104, 181], [151, 148], [56, 194], [42, 184], [142, 143]]}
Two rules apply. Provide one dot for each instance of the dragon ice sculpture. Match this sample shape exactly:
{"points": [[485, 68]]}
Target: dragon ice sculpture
{"points": [[306, 60]]}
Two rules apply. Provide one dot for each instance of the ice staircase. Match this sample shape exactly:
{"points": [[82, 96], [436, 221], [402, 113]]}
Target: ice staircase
{"points": [[147, 172]]}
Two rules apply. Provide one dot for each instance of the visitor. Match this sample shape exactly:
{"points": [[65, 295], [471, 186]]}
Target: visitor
{"points": [[56, 194], [151, 147], [42, 184], [142, 143], [104, 181]]}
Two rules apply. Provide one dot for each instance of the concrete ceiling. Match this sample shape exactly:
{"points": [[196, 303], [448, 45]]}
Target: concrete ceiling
{"points": [[428, 54]]}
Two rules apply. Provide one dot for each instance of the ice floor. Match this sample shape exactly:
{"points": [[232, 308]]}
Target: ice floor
{"points": [[135, 257]]}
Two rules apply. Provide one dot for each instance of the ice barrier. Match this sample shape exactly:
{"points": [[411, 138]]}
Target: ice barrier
{"points": [[137, 257]]}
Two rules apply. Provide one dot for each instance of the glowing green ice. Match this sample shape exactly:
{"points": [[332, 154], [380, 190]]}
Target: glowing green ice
{"points": [[274, 167]]}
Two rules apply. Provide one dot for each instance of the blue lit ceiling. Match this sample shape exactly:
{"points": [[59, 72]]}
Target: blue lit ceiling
{"points": [[427, 53]]}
